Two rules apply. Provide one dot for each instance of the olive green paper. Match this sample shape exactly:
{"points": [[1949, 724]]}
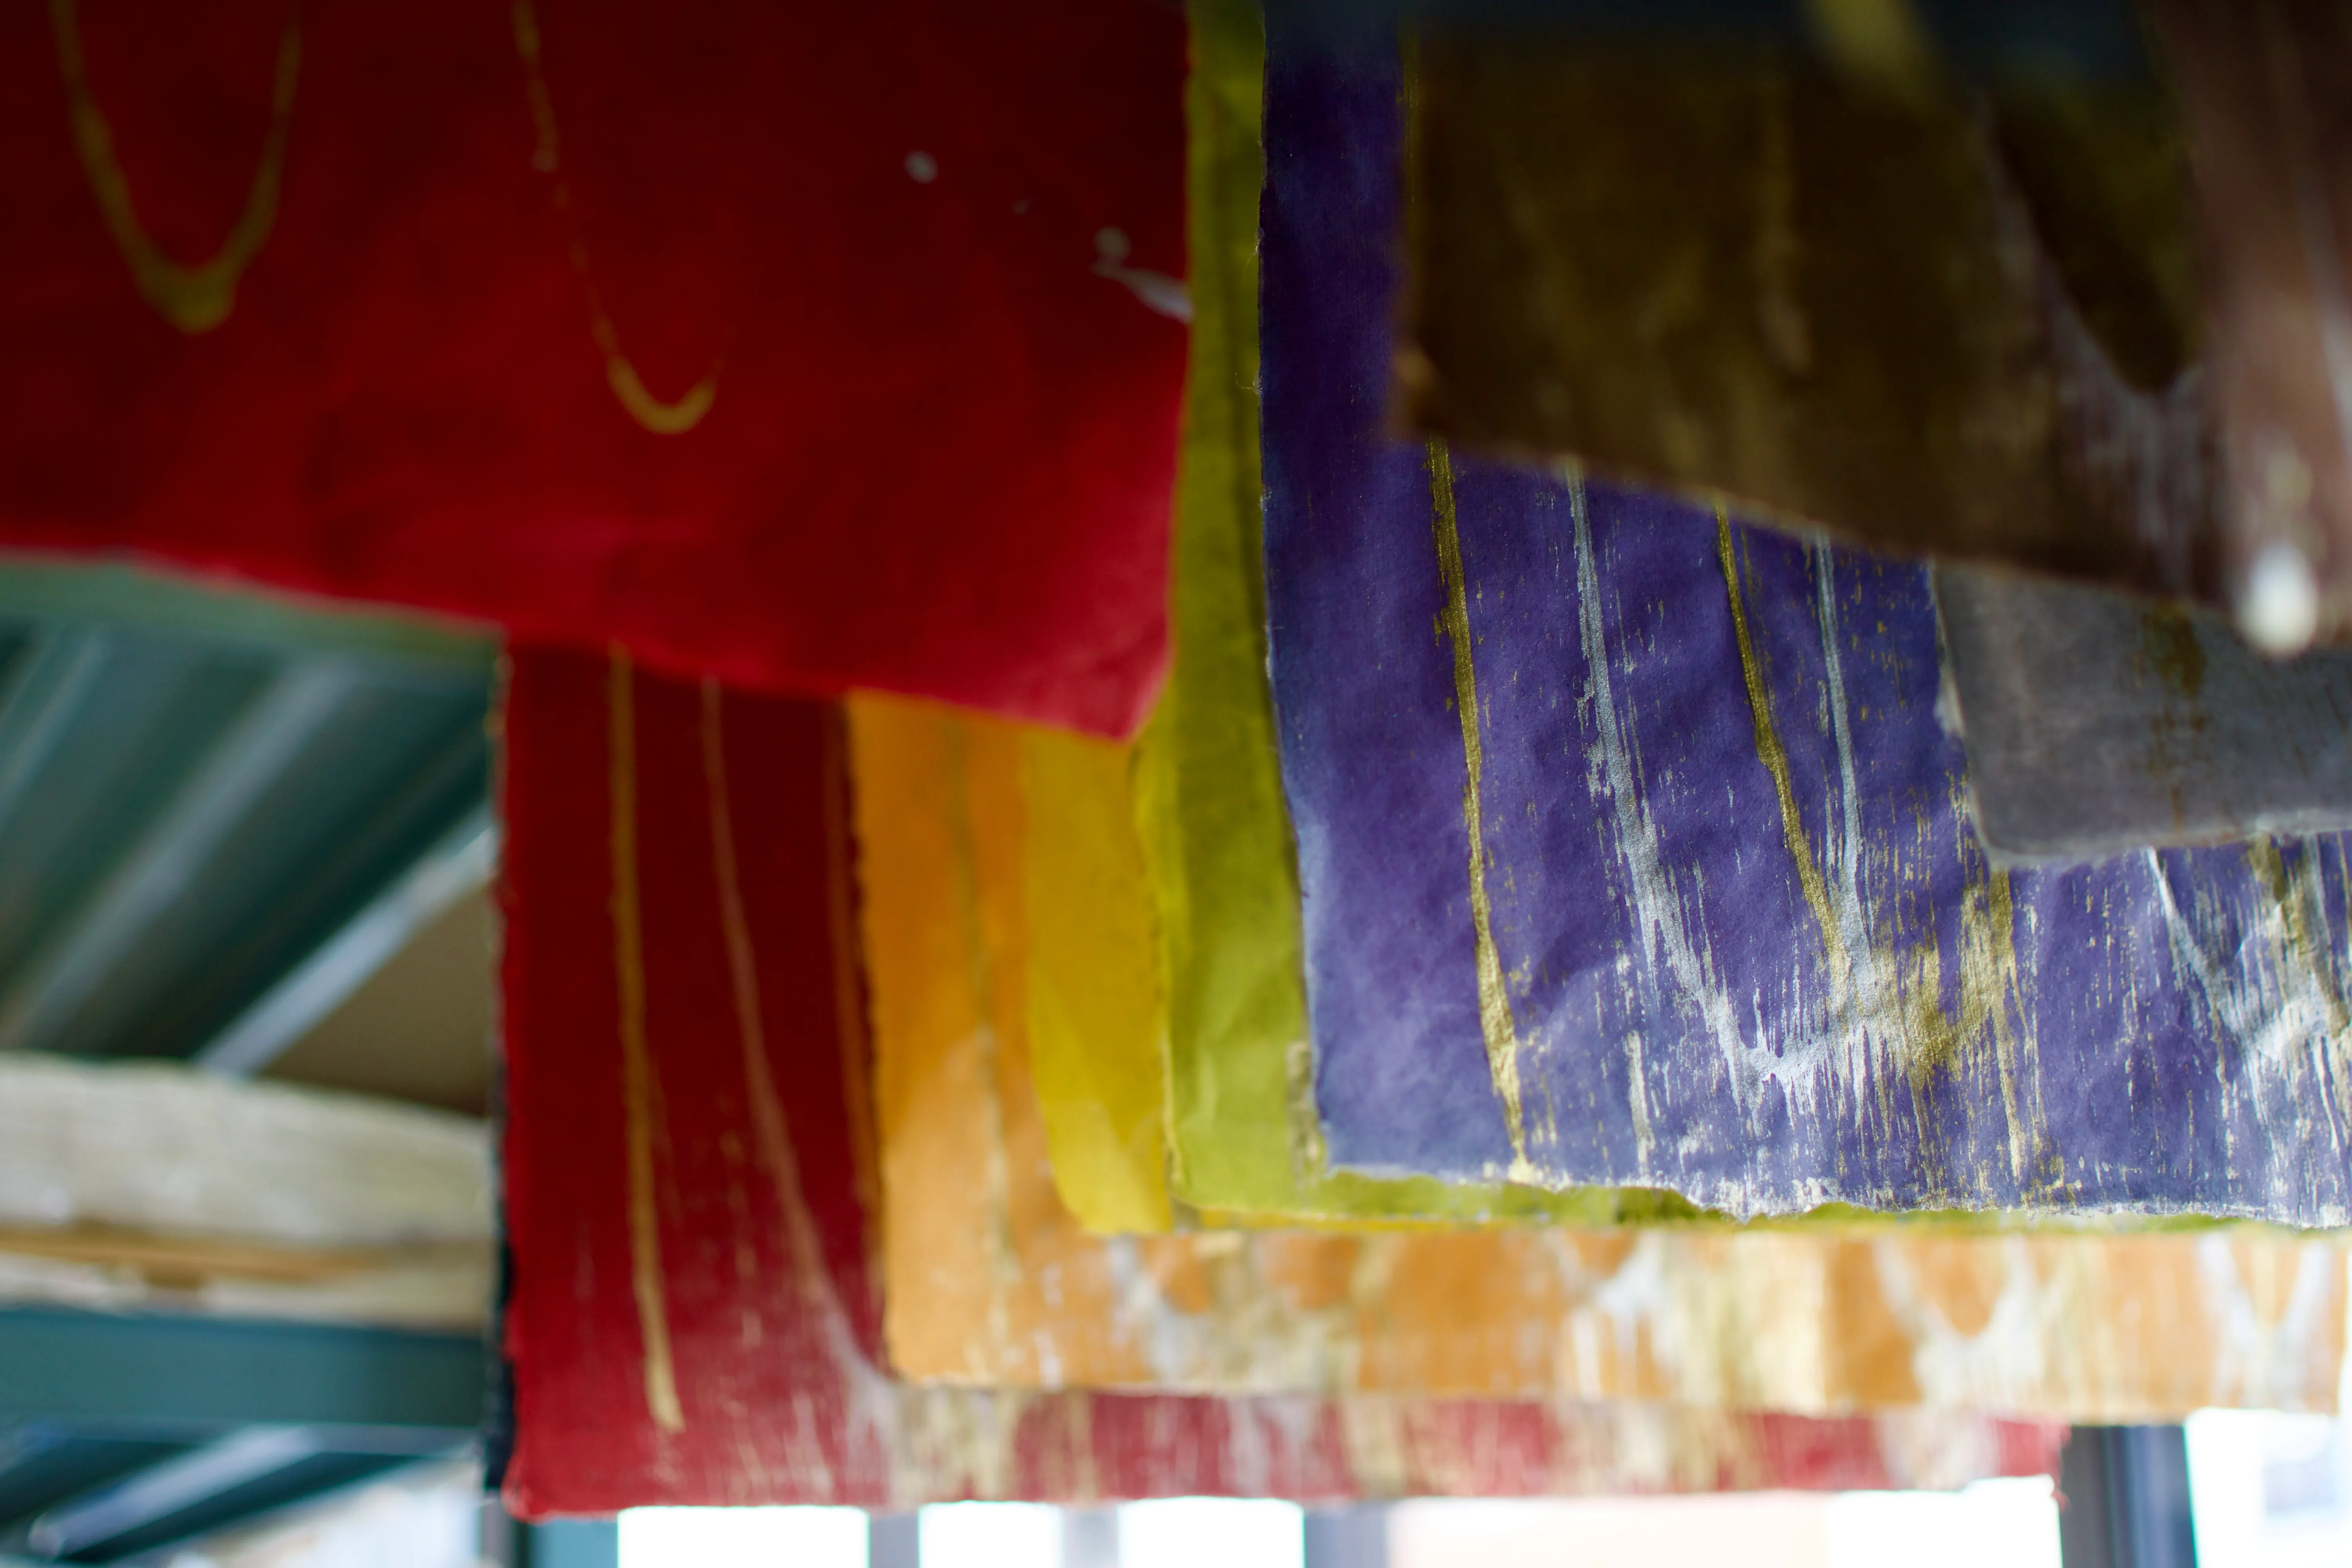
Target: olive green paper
{"points": [[1210, 809]]}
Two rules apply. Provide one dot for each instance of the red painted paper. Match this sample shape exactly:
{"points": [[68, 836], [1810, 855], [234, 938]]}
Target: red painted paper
{"points": [[810, 346]]}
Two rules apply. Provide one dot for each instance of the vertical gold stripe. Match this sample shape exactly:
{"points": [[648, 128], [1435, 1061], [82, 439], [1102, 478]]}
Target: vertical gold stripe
{"points": [[742, 971], [1774, 755], [1495, 1022], [194, 299], [637, 1058]]}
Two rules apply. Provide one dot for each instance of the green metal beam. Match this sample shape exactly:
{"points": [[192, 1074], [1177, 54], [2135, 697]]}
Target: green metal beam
{"points": [[240, 768], [459, 866], [162, 1372]]}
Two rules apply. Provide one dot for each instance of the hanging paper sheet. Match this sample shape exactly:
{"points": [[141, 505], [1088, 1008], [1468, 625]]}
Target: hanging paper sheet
{"points": [[1931, 291], [1633, 847], [2061, 290], [815, 350], [1000, 1285], [1215, 835], [1223, 886], [696, 1282]]}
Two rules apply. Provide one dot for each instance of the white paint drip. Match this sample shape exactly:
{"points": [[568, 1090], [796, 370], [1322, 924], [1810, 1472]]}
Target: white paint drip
{"points": [[1159, 292], [1657, 901]]}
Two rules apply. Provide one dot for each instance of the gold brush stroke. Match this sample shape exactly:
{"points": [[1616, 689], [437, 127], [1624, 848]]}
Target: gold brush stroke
{"points": [[866, 1391], [636, 1057], [1495, 1022], [743, 974], [1776, 756], [1896, 993], [192, 298], [661, 419], [2302, 941], [1989, 972]]}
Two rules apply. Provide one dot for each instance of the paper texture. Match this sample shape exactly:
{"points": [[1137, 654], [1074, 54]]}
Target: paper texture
{"points": [[1935, 291], [1215, 834]]}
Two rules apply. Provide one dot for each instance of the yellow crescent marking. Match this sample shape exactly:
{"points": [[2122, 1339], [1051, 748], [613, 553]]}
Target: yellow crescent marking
{"points": [[637, 1058], [662, 418], [192, 298]]}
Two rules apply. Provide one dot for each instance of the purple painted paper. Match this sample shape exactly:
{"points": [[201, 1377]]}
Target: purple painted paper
{"points": [[1740, 938]]}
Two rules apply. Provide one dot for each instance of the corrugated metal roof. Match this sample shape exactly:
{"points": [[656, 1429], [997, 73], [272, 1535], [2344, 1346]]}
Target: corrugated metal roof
{"points": [[198, 790]]}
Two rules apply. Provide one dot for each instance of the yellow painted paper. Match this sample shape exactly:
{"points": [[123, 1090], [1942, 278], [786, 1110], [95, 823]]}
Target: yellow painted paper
{"points": [[996, 1282], [1095, 1007]]}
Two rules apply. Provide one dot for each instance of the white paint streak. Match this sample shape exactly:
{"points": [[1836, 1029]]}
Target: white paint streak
{"points": [[1657, 902]]}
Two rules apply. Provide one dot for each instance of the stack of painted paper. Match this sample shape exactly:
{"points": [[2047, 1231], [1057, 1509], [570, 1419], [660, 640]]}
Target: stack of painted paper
{"points": [[1227, 921], [815, 351], [1635, 847], [904, 1105], [699, 1293], [966, 831], [1013, 1292], [1358, 533]]}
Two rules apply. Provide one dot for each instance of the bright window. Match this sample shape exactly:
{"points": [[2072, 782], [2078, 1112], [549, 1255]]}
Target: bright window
{"points": [[743, 1538], [991, 1535], [1210, 1533]]}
